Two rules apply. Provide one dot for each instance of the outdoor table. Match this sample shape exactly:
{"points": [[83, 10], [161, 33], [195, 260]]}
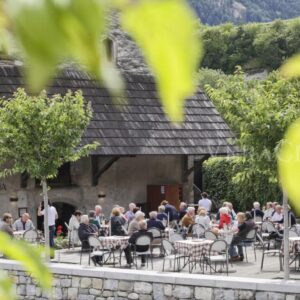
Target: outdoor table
{"points": [[114, 241], [194, 247]]}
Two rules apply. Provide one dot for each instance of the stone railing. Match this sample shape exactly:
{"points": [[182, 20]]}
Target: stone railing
{"points": [[87, 283]]}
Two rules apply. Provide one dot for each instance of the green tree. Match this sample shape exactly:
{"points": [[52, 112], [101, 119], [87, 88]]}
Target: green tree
{"points": [[259, 112], [38, 134]]}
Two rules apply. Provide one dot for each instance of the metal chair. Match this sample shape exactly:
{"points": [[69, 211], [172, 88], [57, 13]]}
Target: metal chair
{"points": [[292, 233], [217, 254], [31, 236], [257, 219], [175, 237], [267, 251], [157, 238], [97, 250], [142, 241], [209, 235], [171, 254], [250, 241]]}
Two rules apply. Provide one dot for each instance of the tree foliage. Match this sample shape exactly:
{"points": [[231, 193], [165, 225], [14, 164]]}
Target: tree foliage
{"points": [[252, 46], [259, 112], [220, 182], [214, 12], [38, 134]]}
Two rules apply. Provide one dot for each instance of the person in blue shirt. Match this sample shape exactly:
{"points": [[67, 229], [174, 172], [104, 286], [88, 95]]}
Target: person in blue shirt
{"points": [[162, 216], [154, 222]]}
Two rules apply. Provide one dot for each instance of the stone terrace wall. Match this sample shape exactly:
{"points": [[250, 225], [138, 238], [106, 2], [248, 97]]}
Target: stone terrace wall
{"points": [[82, 283]]}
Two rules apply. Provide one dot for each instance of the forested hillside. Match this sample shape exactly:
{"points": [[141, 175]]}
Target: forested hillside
{"points": [[252, 46], [214, 12]]}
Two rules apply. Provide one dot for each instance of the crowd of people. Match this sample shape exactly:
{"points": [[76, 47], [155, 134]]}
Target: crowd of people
{"points": [[133, 222]]}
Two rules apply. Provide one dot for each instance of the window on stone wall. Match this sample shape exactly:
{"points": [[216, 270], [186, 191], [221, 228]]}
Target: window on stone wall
{"points": [[63, 177], [110, 49]]}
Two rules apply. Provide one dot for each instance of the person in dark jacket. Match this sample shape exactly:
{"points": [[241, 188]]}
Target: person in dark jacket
{"points": [[86, 230], [170, 210], [182, 210], [256, 211], [245, 224], [154, 222], [142, 231], [291, 218], [117, 222], [161, 215]]}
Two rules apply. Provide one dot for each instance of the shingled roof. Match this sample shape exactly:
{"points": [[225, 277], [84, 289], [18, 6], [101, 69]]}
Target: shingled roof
{"points": [[140, 126]]}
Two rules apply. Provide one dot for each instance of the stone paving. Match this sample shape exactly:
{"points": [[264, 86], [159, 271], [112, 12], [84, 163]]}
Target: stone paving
{"points": [[249, 269]]}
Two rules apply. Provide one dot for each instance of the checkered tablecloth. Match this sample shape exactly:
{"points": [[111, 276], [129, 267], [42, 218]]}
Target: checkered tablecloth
{"points": [[194, 248], [294, 243], [114, 241]]}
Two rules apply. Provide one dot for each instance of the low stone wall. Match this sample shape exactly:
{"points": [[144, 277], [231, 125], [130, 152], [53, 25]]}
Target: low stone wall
{"points": [[82, 283]]}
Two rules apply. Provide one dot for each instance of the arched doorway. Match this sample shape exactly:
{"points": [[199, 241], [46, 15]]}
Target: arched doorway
{"points": [[64, 211]]}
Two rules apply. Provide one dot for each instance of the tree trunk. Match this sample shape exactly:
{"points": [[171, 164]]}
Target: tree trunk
{"points": [[286, 238], [46, 213]]}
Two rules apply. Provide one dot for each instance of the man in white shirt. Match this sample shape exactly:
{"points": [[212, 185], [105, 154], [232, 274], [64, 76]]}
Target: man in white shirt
{"points": [[205, 202], [52, 216]]}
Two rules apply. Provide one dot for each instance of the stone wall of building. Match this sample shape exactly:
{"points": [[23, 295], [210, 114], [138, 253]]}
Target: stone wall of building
{"points": [[75, 282], [124, 182]]}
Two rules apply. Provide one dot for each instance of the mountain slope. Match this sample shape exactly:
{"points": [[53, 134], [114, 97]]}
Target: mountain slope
{"points": [[214, 12]]}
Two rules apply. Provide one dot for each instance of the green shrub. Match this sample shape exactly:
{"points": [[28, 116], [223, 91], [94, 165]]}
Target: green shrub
{"points": [[222, 184]]}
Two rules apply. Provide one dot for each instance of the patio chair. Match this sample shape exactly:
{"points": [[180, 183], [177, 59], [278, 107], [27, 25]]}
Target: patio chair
{"points": [[31, 236], [142, 241], [198, 230], [217, 254], [292, 233], [209, 235], [274, 251], [157, 239], [175, 237], [257, 219], [171, 254], [97, 250], [249, 241]]}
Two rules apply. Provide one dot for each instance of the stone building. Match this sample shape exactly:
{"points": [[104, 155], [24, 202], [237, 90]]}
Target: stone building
{"points": [[142, 158]]}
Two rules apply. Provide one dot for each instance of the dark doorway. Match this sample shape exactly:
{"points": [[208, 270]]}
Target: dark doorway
{"points": [[64, 211]]}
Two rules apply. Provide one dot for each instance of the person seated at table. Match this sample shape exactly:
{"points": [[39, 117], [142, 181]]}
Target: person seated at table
{"points": [[202, 218], [85, 230], [142, 231], [170, 210], [231, 211], [161, 215], [93, 221], [6, 225], [117, 222], [225, 219], [182, 210], [256, 211], [23, 223], [218, 213], [154, 222], [245, 224], [268, 211], [130, 214], [189, 217], [134, 224], [277, 215], [74, 224], [291, 217], [99, 215], [117, 228]]}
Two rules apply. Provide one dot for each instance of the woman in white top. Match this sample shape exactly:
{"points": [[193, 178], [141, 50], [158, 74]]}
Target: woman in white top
{"points": [[268, 212], [278, 215], [73, 226], [202, 218]]}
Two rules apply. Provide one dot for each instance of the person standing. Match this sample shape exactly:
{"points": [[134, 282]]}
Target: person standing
{"points": [[23, 223], [205, 203], [52, 216], [130, 214], [74, 226], [99, 216]]}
